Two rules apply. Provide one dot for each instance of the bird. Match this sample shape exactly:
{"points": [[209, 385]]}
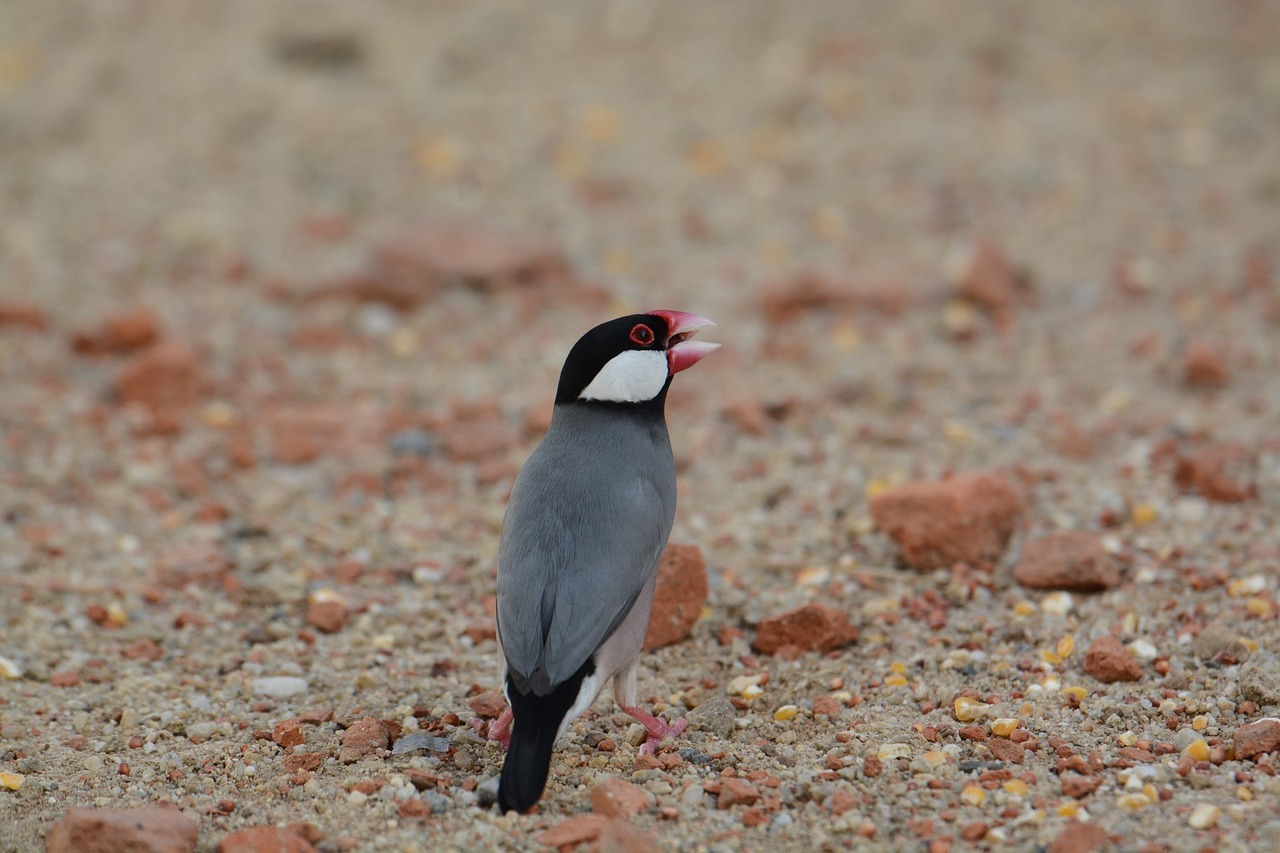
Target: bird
{"points": [[585, 528]]}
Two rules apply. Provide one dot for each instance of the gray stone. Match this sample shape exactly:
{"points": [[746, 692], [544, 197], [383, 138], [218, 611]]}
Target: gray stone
{"points": [[279, 687], [715, 716], [488, 791], [420, 742], [1217, 638], [1259, 683]]}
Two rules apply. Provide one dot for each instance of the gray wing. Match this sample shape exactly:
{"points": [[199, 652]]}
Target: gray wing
{"points": [[579, 541]]}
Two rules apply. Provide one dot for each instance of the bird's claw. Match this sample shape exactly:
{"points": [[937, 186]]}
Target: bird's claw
{"points": [[499, 730], [657, 730]]}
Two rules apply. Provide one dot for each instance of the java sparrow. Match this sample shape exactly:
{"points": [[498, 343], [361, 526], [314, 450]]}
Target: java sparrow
{"points": [[583, 535]]}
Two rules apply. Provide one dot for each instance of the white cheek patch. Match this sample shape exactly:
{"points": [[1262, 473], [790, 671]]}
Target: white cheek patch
{"points": [[629, 377]]}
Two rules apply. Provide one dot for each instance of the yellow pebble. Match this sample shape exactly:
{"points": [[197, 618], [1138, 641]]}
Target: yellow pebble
{"points": [[935, 757], [1258, 607], [895, 681], [1005, 726], [1024, 608], [1248, 643], [1204, 816], [1133, 802], [968, 710], [9, 669], [876, 487], [1243, 793], [1050, 657], [12, 781], [1252, 585], [752, 692], [1065, 646], [1069, 809], [786, 712], [218, 415], [116, 615], [973, 795], [1127, 738], [1200, 722], [1197, 749], [899, 667], [1078, 692], [1016, 787], [1143, 514], [1149, 791]]}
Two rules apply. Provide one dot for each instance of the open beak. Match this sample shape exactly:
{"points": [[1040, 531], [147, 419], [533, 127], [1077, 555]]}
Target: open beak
{"points": [[683, 353]]}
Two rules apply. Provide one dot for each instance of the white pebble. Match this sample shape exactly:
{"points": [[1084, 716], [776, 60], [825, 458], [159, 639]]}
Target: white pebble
{"points": [[279, 687]]}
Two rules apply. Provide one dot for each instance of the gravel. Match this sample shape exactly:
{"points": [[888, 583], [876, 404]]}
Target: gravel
{"points": [[1034, 244]]}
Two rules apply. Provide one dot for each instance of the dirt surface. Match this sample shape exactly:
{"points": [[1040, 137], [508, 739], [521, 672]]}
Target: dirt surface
{"points": [[284, 291]]}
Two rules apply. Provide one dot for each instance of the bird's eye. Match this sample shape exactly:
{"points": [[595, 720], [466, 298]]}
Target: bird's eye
{"points": [[641, 335]]}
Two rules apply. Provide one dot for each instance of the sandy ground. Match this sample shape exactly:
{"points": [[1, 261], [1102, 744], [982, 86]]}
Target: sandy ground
{"points": [[229, 165]]}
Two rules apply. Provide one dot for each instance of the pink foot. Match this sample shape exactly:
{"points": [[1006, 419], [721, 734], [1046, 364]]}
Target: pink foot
{"points": [[656, 729], [499, 729]]}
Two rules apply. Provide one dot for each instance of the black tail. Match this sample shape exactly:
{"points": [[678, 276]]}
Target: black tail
{"points": [[536, 723]]}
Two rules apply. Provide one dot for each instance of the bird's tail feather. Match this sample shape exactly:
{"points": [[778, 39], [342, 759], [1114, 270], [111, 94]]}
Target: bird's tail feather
{"points": [[524, 773], [535, 726]]}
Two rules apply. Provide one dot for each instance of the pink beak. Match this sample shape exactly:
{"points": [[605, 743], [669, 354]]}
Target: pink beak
{"points": [[683, 353]]}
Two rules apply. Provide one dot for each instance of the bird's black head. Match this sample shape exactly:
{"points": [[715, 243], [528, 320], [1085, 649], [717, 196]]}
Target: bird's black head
{"points": [[631, 360]]}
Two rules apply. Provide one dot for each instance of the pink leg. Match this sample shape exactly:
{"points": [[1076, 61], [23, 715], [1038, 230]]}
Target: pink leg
{"points": [[499, 729], [656, 729]]}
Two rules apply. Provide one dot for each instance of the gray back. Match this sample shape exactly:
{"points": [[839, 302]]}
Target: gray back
{"points": [[587, 523]]}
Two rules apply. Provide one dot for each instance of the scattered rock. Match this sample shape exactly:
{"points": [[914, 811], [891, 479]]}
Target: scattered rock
{"points": [[679, 598], [811, 292], [365, 737], [1078, 787], [329, 615], [809, 628], [119, 333], [715, 716], [1219, 638], [1257, 738], [1108, 660], [736, 792], [569, 833], [992, 282], [1204, 365], [967, 518], [151, 829], [1073, 560], [1006, 750], [166, 378], [265, 839], [617, 798], [409, 268], [622, 836], [487, 705], [23, 314], [1080, 837], [279, 687], [420, 742], [287, 733], [1215, 472], [826, 706], [1259, 684], [309, 761], [301, 434]]}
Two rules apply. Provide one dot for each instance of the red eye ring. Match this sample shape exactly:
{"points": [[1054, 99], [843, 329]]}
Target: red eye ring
{"points": [[641, 335]]}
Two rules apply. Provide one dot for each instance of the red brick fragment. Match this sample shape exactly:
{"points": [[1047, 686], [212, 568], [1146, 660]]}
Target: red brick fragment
{"points": [[1108, 661], [968, 518], [1072, 560], [679, 598], [814, 627]]}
